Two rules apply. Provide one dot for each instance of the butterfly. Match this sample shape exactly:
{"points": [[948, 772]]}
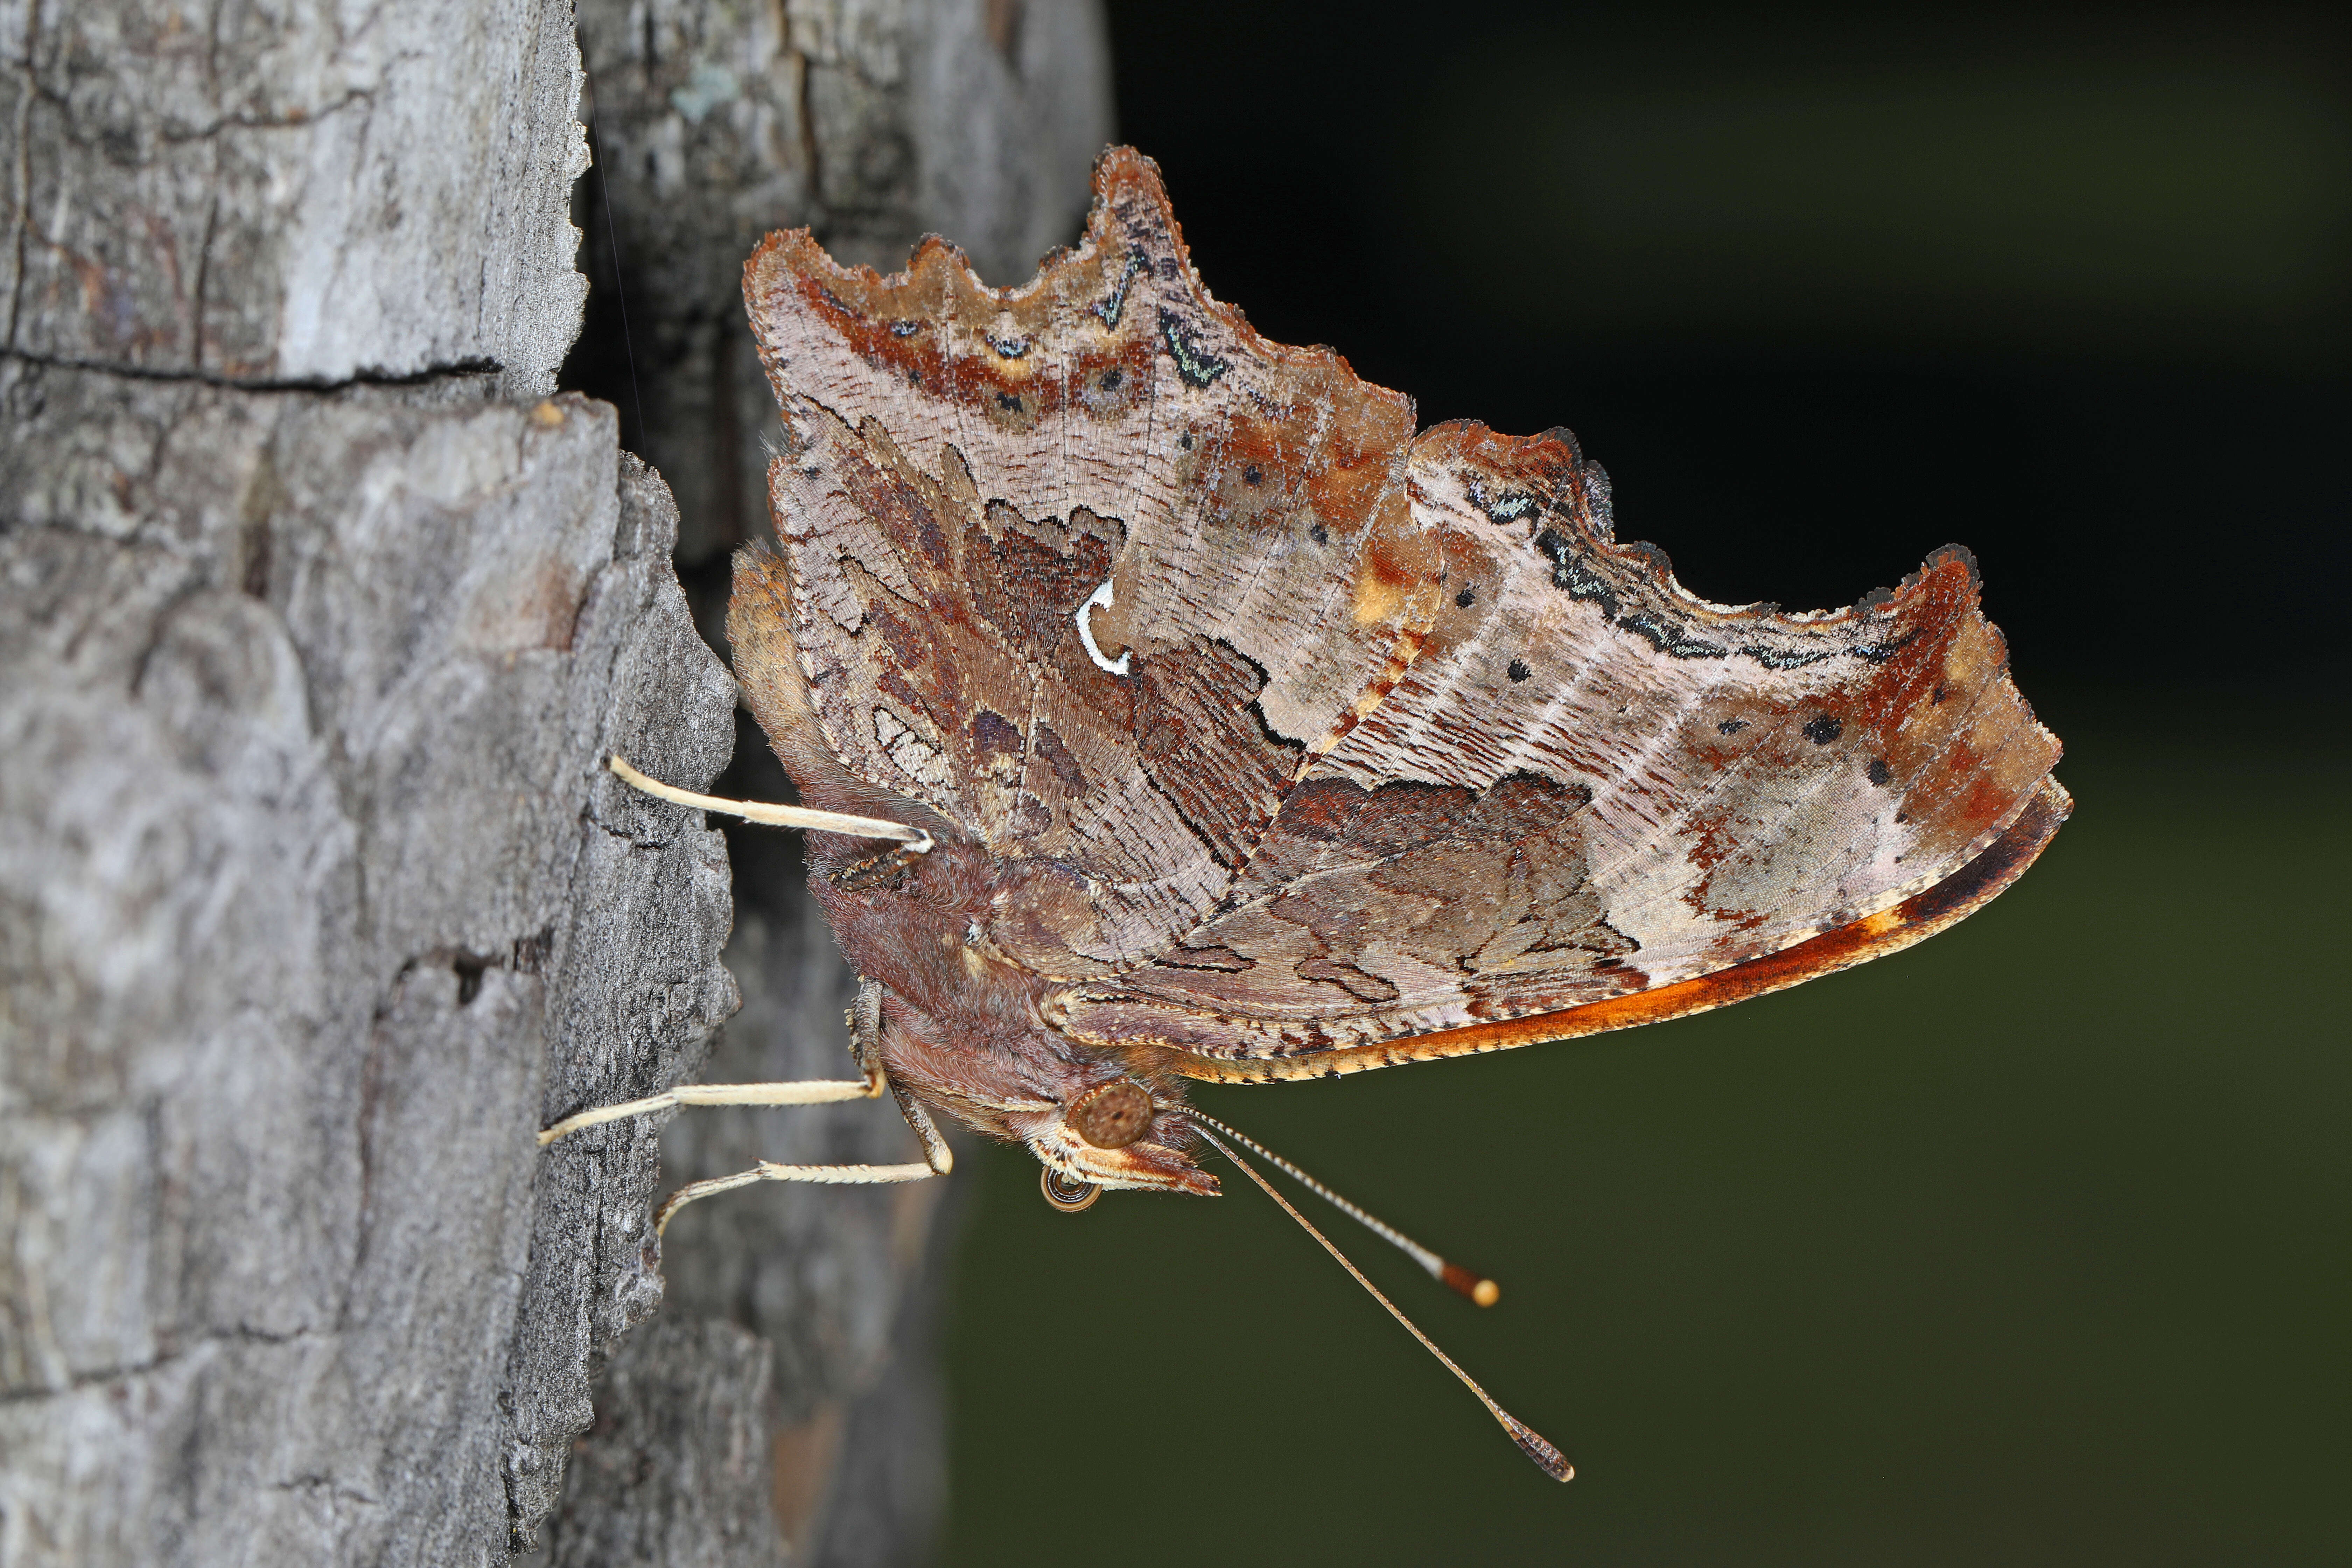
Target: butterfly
{"points": [[1165, 709]]}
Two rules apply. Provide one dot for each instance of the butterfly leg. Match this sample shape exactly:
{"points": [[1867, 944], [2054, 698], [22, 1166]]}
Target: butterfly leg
{"points": [[866, 1044], [818, 1092], [769, 1171], [866, 1035], [915, 839], [865, 1041]]}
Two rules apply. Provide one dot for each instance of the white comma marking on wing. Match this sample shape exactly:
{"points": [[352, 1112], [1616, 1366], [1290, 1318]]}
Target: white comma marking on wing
{"points": [[1099, 598]]}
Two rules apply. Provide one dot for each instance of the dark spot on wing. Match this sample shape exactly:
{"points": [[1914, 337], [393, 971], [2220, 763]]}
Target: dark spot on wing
{"points": [[1731, 726], [1058, 757], [1880, 774], [1820, 731], [1467, 597], [992, 731], [1518, 670]]}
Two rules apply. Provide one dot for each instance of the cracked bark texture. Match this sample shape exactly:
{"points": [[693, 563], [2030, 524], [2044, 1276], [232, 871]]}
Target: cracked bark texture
{"points": [[297, 191], [315, 627], [314, 901], [797, 1319]]}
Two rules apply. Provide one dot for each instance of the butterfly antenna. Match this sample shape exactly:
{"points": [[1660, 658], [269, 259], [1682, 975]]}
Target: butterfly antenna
{"points": [[1453, 1276], [1531, 1443]]}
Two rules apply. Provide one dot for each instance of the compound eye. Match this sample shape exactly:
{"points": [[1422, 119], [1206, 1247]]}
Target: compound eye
{"points": [[1067, 1192], [1113, 1116]]}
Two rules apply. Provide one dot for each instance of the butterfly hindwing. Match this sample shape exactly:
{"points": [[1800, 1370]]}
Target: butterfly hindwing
{"points": [[1592, 784]]}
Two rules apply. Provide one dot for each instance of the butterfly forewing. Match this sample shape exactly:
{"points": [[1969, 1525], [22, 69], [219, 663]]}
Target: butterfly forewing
{"points": [[971, 471]]}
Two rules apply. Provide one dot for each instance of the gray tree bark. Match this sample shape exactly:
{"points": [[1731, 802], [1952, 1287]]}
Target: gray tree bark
{"points": [[317, 620]]}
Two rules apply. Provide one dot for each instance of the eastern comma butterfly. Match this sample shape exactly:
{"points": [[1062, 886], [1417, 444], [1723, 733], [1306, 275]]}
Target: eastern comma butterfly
{"points": [[1216, 725]]}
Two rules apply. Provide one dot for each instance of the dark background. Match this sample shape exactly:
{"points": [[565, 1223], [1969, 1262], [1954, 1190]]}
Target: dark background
{"points": [[2028, 1246]]}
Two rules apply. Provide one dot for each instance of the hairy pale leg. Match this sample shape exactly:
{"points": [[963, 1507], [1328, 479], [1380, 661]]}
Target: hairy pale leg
{"points": [[864, 1044]]}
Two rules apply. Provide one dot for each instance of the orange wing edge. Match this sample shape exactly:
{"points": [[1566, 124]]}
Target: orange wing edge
{"points": [[1916, 919]]}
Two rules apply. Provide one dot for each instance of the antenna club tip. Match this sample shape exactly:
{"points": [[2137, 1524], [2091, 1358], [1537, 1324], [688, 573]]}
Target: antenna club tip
{"points": [[1548, 1459], [1474, 1287]]}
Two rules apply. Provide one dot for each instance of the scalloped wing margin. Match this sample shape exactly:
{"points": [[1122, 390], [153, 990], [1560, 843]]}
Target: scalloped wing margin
{"points": [[970, 470]]}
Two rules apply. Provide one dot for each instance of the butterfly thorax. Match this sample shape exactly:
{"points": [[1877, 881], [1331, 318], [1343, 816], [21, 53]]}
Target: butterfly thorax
{"points": [[962, 1029]]}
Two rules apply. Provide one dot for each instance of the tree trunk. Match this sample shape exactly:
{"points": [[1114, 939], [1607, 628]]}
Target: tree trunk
{"points": [[317, 621]]}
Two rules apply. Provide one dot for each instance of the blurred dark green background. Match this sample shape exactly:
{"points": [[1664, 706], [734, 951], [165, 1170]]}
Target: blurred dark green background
{"points": [[2028, 1246]]}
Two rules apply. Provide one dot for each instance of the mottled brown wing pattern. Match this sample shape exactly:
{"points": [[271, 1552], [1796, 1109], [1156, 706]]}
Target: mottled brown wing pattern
{"points": [[1592, 785], [1368, 913], [1293, 736], [1911, 919], [971, 471]]}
